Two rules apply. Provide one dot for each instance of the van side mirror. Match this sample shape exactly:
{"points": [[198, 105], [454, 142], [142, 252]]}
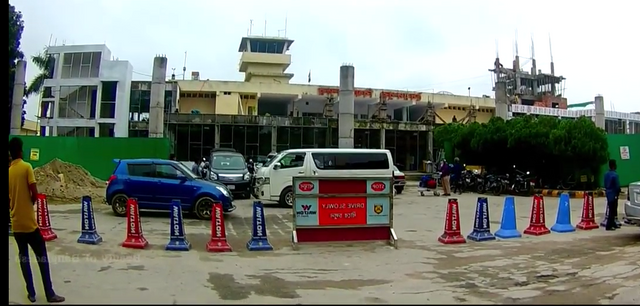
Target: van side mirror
{"points": [[277, 166]]}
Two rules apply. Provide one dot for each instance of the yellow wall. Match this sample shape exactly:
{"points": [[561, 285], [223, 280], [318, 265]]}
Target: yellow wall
{"points": [[249, 101], [205, 106], [230, 95], [227, 103]]}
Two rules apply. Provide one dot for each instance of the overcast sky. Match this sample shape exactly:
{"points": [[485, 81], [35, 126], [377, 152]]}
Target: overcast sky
{"points": [[405, 45]]}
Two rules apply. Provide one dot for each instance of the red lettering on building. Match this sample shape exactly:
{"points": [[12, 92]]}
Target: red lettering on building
{"points": [[334, 91], [409, 96]]}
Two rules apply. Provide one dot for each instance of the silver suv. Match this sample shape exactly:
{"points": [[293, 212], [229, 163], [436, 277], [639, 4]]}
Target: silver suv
{"points": [[632, 204]]}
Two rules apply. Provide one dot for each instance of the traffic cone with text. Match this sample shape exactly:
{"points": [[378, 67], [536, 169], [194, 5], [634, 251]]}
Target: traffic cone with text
{"points": [[481, 227], [218, 242], [563, 216], [508, 225], [44, 219], [259, 240], [135, 238], [537, 221], [588, 220], [451, 234], [89, 233], [177, 237]]}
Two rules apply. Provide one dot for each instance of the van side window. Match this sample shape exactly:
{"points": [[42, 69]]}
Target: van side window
{"points": [[351, 161], [292, 160], [143, 170]]}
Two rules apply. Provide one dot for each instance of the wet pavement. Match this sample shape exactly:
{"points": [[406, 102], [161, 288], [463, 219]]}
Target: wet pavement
{"points": [[584, 267]]}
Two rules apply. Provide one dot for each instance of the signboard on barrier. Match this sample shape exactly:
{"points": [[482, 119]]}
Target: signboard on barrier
{"points": [[335, 209]]}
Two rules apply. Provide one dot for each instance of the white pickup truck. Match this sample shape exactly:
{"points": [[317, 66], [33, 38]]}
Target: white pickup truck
{"points": [[632, 204]]}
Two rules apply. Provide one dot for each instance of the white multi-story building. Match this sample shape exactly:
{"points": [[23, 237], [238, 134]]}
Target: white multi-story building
{"points": [[88, 94]]}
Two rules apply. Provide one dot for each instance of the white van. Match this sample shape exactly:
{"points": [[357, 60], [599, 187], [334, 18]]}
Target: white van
{"points": [[274, 178]]}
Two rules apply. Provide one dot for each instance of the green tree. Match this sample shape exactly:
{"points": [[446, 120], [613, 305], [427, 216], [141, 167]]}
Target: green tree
{"points": [[44, 62], [551, 148], [16, 26]]}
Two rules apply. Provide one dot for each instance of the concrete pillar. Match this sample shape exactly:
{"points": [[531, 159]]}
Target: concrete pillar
{"points": [[430, 144], [405, 114], [217, 136], [383, 138], [502, 101], [156, 110], [18, 93], [599, 111], [274, 138], [627, 127], [346, 107]]}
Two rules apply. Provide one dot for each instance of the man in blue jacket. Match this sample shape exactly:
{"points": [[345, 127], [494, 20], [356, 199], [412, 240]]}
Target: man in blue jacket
{"points": [[612, 187]]}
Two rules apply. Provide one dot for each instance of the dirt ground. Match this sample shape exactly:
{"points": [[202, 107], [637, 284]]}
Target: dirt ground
{"points": [[584, 267], [65, 183]]}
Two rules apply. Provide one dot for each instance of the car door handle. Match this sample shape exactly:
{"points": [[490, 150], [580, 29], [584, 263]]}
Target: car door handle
{"points": [[300, 172]]}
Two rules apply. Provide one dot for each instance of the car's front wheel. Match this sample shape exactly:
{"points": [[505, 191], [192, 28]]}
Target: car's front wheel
{"points": [[203, 207], [119, 204], [286, 197]]}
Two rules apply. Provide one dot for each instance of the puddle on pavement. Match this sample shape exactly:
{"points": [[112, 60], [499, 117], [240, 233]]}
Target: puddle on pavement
{"points": [[227, 288]]}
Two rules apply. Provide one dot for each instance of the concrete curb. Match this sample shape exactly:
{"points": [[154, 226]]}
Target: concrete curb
{"points": [[572, 194]]}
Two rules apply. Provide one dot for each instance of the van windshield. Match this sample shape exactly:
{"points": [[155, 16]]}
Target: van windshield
{"points": [[228, 162], [273, 159]]}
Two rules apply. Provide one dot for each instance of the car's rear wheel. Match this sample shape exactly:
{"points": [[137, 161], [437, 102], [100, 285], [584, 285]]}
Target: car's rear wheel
{"points": [[119, 204], [286, 197], [202, 208]]}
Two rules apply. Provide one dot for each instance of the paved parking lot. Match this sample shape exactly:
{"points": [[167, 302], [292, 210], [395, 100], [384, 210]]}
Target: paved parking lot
{"points": [[574, 268]]}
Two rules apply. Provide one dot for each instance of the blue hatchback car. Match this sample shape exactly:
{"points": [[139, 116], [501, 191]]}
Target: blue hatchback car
{"points": [[155, 183]]}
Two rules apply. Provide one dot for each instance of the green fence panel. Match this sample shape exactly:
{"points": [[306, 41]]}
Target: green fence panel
{"points": [[628, 169], [96, 154]]}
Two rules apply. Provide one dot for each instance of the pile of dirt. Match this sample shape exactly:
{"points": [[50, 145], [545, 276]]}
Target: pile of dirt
{"points": [[63, 182]]}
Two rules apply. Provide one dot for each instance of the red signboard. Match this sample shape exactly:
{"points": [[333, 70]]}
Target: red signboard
{"points": [[378, 186], [306, 186], [334, 91], [342, 186], [409, 96], [342, 211]]}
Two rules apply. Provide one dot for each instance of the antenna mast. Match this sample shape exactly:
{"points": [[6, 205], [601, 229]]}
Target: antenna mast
{"points": [[517, 43], [250, 29], [265, 28], [285, 25], [184, 66]]}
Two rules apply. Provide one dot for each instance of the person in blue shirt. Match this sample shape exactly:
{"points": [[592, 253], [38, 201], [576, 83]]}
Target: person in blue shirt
{"points": [[456, 176], [612, 190]]}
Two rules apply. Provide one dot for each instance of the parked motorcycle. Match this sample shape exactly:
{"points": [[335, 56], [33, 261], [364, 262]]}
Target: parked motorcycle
{"points": [[523, 183], [494, 184]]}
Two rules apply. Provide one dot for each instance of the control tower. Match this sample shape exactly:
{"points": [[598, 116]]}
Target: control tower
{"points": [[265, 59]]}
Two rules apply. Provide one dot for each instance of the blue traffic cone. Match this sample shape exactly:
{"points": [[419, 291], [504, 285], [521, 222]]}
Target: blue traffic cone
{"points": [[563, 217], [508, 225], [481, 227]]}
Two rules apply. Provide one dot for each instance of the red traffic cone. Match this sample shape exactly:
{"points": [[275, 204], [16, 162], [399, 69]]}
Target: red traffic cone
{"points": [[588, 220], [135, 239], [44, 219], [452, 233], [537, 222], [218, 242]]}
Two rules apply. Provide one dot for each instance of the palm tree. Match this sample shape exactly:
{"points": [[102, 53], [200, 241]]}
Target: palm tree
{"points": [[45, 63]]}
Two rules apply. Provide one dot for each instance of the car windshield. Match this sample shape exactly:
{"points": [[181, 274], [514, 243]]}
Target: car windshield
{"points": [[187, 172], [228, 162], [272, 159]]}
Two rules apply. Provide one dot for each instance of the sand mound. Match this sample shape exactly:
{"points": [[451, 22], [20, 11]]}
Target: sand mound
{"points": [[67, 183]]}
